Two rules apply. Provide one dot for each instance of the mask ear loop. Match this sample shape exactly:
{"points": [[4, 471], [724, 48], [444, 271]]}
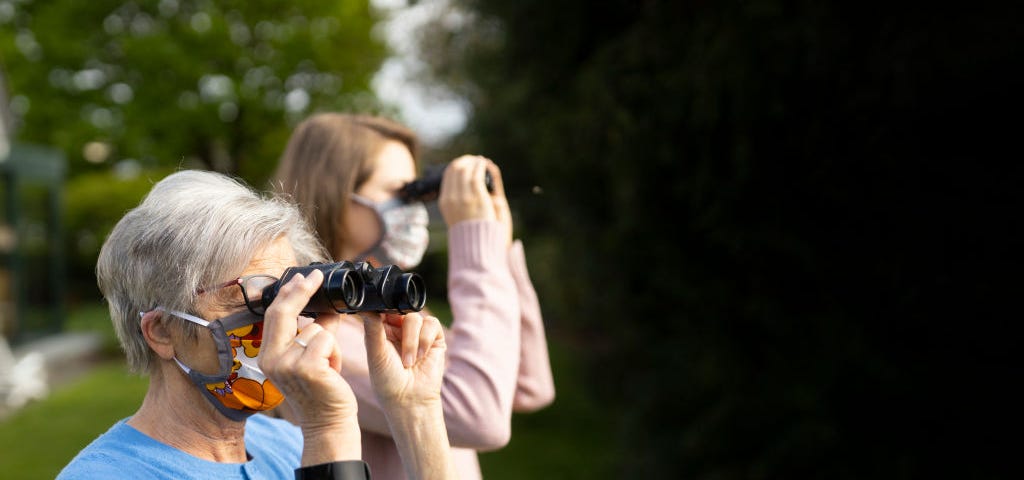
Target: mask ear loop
{"points": [[224, 352], [220, 339], [182, 315]]}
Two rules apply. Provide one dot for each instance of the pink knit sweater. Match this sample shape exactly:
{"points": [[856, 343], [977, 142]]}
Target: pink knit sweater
{"points": [[497, 354]]}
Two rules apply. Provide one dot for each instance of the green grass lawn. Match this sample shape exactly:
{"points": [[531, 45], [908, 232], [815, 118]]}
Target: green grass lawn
{"points": [[570, 439], [39, 439]]}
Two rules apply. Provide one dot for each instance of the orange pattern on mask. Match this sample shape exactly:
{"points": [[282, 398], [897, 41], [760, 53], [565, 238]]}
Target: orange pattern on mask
{"points": [[247, 394], [249, 337], [252, 395]]}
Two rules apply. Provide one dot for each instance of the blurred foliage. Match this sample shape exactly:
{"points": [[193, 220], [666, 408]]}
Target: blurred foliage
{"points": [[94, 317], [205, 84], [775, 226], [569, 439], [130, 90], [94, 202], [773, 232]]}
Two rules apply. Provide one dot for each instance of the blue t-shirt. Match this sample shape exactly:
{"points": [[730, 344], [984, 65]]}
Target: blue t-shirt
{"points": [[274, 447]]}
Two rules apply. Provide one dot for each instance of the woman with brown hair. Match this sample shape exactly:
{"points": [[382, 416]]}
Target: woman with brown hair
{"points": [[346, 172]]}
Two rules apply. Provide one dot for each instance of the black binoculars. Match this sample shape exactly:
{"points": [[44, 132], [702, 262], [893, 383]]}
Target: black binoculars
{"points": [[426, 188], [357, 287]]}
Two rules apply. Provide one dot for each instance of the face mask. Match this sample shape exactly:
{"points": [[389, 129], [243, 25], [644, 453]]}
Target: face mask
{"points": [[404, 236], [239, 389]]}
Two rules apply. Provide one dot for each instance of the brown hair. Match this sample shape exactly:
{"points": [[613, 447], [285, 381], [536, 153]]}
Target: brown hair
{"points": [[328, 157]]}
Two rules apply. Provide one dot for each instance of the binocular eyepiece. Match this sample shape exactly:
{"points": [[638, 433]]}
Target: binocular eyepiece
{"points": [[426, 188], [357, 287]]}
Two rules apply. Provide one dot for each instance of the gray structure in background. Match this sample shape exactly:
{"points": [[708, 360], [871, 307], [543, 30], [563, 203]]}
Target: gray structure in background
{"points": [[32, 272], [32, 262], [33, 275]]}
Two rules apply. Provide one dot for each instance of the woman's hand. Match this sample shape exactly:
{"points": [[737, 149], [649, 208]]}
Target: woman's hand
{"points": [[464, 195], [306, 366], [406, 359]]}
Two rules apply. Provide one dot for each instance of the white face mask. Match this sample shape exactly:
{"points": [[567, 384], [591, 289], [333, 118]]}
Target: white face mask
{"points": [[404, 234]]}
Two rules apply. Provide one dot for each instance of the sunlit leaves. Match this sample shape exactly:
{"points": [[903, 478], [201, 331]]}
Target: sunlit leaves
{"points": [[216, 84]]}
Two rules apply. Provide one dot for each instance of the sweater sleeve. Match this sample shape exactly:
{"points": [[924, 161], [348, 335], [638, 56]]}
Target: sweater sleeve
{"points": [[484, 339], [535, 387]]}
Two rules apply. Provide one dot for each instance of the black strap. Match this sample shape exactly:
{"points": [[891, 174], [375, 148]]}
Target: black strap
{"points": [[346, 470]]}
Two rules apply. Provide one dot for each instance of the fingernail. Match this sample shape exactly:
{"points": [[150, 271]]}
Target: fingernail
{"points": [[408, 360]]}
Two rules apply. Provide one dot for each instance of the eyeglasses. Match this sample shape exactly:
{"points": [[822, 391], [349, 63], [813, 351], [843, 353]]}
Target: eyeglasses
{"points": [[252, 290]]}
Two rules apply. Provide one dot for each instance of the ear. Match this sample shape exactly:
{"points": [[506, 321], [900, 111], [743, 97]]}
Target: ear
{"points": [[155, 331]]}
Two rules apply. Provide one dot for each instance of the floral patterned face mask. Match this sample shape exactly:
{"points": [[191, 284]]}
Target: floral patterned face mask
{"points": [[240, 388], [404, 233]]}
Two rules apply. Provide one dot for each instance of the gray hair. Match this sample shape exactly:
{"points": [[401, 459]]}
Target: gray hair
{"points": [[194, 229]]}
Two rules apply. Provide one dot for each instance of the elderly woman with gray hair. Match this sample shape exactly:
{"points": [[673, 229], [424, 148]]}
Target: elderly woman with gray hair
{"points": [[177, 272]]}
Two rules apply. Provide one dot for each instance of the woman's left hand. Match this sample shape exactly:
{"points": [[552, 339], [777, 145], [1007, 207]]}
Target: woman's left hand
{"points": [[406, 358]]}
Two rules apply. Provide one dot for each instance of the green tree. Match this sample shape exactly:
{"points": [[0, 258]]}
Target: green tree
{"points": [[773, 227], [130, 90], [208, 84]]}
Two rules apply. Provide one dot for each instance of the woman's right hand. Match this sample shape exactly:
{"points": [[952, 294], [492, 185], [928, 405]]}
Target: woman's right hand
{"points": [[464, 195], [306, 365]]}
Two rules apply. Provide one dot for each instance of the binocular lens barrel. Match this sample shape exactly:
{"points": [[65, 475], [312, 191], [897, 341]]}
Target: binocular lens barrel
{"points": [[426, 188], [351, 288], [408, 294], [415, 294], [342, 291]]}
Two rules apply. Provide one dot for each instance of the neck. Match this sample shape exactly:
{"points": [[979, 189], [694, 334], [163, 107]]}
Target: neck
{"points": [[175, 412]]}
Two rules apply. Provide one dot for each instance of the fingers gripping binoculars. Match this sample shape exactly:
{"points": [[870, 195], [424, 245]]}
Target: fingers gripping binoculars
{"points": [[357, 287], [426, 188]]}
